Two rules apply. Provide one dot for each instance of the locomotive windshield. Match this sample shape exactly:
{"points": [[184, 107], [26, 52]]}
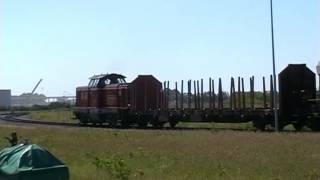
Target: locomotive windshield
{"points": [[93, 82], [106, 79]]}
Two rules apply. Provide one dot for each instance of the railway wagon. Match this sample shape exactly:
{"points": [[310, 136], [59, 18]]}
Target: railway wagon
{"points": [[297, 97], [108, 98], [297, 103]]}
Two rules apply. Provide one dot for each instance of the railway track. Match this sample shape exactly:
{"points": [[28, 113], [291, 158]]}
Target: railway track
{"points": [[20, 119]]}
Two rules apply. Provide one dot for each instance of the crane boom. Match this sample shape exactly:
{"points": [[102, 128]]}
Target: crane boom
{"points": [[35, 88]]}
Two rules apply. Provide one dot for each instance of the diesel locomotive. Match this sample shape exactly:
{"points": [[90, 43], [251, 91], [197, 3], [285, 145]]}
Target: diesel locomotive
{"points": [[109, 99]]}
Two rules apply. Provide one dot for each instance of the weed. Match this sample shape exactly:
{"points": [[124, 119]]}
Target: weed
{"points": [[222, 171], [313, 175], [115, 166]]}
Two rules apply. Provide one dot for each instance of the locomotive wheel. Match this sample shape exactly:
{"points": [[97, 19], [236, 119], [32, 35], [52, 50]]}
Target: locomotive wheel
{"points": [[124, 119], [142, 122], [124, 124], [83, 123], [83, 120], [113, 121], [142, 125]]}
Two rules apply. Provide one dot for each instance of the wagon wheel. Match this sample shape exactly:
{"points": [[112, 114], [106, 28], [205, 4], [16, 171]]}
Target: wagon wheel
{"points": [[142, 122], [298, 126], [314, 124], [173, 123], [260, 126], [158, 124]]}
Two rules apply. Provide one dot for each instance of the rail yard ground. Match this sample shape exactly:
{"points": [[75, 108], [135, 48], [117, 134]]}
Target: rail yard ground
{"points": [[101, 153], [65, 115]]}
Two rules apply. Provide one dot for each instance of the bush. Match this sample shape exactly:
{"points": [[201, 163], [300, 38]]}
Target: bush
{"points": [[51, 106]]}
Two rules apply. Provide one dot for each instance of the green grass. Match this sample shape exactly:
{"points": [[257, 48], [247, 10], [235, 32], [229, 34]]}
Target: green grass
{"points": [[159, 154], [61, 115], [217, 126]]}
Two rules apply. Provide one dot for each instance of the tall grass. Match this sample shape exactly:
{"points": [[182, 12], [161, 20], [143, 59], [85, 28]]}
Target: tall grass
{"points": [[158, 154], [61, 115]]}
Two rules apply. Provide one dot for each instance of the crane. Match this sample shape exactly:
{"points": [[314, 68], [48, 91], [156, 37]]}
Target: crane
{"points": [[35, 88]]}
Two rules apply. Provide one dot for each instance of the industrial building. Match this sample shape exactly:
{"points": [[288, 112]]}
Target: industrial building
{"points": [[5, 99], [28, 100]]}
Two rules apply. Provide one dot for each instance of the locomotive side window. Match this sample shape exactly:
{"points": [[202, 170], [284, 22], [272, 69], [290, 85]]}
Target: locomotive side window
{"points": [[107, 81], [114, 81], [93, 82], [102, 80], [96, 83], [122, 81]]}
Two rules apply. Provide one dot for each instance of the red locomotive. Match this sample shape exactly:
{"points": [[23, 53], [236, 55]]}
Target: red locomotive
{"points": [[108, 98]]}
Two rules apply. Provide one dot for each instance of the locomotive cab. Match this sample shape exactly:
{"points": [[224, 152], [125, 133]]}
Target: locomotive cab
{"points": [[101, 81]]}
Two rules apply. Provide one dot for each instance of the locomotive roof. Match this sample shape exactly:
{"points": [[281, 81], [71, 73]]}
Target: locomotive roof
{"points": [[108, 76]]}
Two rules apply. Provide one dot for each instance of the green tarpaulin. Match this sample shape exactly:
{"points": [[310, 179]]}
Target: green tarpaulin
{"points": [[30, 162]]}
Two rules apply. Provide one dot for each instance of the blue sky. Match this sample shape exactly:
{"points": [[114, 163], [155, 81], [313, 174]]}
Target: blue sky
{"points": [[65, 42]]}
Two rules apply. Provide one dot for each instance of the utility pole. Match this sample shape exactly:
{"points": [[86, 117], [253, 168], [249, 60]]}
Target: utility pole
{"points": [[318, 72], [276, 116]]}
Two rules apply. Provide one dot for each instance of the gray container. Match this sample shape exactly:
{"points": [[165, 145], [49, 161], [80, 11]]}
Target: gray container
{"points": [[5, 99]]}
